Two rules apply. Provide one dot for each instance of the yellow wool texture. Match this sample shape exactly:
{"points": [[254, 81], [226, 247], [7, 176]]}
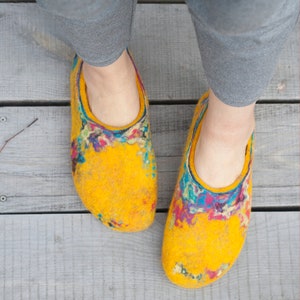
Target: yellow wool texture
{"points": [[206, 227], [114, 169]]}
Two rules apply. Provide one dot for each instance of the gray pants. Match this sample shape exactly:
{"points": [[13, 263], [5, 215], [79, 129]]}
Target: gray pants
{"points": [[239, 41]]}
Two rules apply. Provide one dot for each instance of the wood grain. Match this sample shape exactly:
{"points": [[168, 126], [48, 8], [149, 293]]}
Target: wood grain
{"points": [[69, 256], [35, 167], [35, 62]]}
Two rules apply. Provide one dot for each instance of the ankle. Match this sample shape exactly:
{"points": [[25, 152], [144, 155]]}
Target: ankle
{"points": [[112, 91], [220, 149], [227, 124], [112, 78], [227, 135]]}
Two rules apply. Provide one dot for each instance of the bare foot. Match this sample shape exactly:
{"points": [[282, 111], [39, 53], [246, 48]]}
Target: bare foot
{"points": [[220, 150], [112, 92]]}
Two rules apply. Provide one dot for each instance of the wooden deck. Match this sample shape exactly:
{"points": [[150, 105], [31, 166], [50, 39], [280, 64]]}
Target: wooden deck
{"points": [[52, 248]]}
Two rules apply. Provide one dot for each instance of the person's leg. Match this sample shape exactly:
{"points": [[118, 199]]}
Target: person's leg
{"points": [[99, 31], [210, 210], [113, 161], [239, 44]]}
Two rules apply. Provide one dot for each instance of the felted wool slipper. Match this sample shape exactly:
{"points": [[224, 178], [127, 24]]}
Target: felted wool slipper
{"points": [[113, 168], [206, 227]]}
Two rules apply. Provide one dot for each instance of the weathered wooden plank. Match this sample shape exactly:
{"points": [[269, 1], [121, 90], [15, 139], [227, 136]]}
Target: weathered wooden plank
{"points": [[35, 168], [76, 257], [35, 62]]}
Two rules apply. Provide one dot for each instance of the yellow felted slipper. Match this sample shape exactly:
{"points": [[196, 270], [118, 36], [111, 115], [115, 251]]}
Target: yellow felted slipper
{"points": [[113, 168], [206, 227]]}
